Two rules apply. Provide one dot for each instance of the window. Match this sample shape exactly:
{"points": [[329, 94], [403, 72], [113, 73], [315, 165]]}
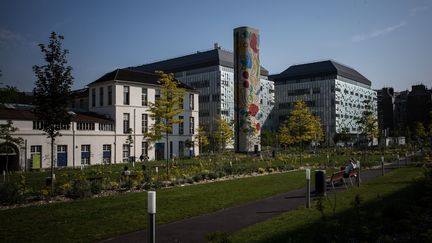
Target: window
{"points": [[144, 97], [110, 95], [126, 95], [144, 123], [101, 96], [191, 102], [144, 148], [157, 94], [126, 122], [81, 104], [106, 127], [106, 153], [93, 94], [38, 125], [126, 152], [85, 126], [181, 126], [191, 125], [85, 154]]}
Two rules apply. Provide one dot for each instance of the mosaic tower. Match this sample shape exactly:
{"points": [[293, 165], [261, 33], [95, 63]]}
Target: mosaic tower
{"points": [[247, 90]]}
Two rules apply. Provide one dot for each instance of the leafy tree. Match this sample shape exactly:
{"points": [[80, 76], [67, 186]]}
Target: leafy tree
{"points": [[165, 110], [6, 131], [268, 138], [52, 90], [301, 127], [419, 132], [9, 94], [368, 122], [343, 136], [129, 141], [224, 133], [201, 138]]}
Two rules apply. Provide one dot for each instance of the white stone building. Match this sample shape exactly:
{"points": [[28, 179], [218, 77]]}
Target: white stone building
{"points": [[118, 101]]}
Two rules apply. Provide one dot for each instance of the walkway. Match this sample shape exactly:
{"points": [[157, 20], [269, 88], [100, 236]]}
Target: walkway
{"points": [[232, 219]]}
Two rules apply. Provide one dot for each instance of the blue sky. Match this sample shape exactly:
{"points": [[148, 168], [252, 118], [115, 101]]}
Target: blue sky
{"points": [[389, 42]]}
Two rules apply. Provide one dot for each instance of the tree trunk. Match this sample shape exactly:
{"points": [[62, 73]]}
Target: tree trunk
{"points": [[167, 155], [52, 166]]}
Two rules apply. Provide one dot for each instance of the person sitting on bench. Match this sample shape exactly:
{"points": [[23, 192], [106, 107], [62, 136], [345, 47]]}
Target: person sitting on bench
{"points": [[351, 166], [126, 171]]}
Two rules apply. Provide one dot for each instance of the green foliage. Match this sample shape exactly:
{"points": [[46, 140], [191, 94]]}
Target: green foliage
{"points": [[79, 189], [10, 193], [343, 136], [224, 133], [9, 94], [419, 132], [166, 108], [53, 86], [368, 122], [268, 138], [202, 138], [301, 127], [6, 136]]}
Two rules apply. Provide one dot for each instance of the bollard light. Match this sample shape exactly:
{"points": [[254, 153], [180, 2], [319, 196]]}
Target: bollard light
{"points": [[4, 176], [382, 158], [53, 176], [157, 170], [307, 188], [151, 209], [151, 199]]}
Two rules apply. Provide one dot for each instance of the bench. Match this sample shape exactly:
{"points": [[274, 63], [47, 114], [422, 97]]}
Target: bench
{"points": [[337, 177]]}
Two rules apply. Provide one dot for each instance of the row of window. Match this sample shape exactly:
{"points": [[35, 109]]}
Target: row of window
{"points": [[145, 127], [82, 126], [101, 96]]}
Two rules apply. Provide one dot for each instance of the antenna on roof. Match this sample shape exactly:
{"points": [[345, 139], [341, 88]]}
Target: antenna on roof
{"points": [[216, 46]]}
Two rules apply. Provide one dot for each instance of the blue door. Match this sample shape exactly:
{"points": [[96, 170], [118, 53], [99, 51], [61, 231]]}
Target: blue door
{"points": [[61, 155]]}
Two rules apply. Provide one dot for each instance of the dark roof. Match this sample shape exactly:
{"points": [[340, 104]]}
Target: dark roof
{"points": [[319, 69], [135, 76], [15, 112], [197, 60], [79, 93]]}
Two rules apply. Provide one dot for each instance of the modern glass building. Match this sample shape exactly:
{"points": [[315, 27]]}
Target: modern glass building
{"points": [[334, 92], [212, 74]]}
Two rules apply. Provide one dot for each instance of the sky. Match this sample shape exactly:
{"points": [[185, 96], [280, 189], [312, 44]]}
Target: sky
{"points": [[389, 42]]}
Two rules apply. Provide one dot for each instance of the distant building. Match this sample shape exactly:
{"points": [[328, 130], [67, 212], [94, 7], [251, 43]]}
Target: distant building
{"points": [[334, 92], [419, 106], [399, 111], [212, 74], [117, 102]]}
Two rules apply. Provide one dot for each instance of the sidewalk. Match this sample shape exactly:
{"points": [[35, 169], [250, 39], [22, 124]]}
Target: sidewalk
{"points": [[232, 219]]}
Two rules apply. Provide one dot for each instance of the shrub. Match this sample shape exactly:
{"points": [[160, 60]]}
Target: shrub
{"points": [[261, 170], [197, 177], [10, 193], [114, 185], [79, 189], [95, 187], [212, 176]]}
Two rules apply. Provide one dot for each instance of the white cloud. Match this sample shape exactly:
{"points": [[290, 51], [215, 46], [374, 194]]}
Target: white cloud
{"points": [[8, 37], [377, 33], [416, 10]]}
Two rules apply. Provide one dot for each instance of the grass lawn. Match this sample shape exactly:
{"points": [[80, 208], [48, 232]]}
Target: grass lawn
{"points": [[390, 208], [92, 219]]}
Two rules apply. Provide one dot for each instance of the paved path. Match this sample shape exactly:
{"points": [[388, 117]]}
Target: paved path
{"points": [[232, 219]]}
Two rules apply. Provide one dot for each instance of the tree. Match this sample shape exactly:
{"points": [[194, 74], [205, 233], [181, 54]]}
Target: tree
{"points": [[6, 131], [368, 122], [52, 91], [343, 136], [224, 133], [9, 94], [301, 127], [165, 110], [268, 138], [201, 138], [419, 132], [129, 141]]}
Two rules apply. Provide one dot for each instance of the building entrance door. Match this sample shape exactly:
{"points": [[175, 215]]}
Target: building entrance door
{"points": [[61, 155], [160, 151]]}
